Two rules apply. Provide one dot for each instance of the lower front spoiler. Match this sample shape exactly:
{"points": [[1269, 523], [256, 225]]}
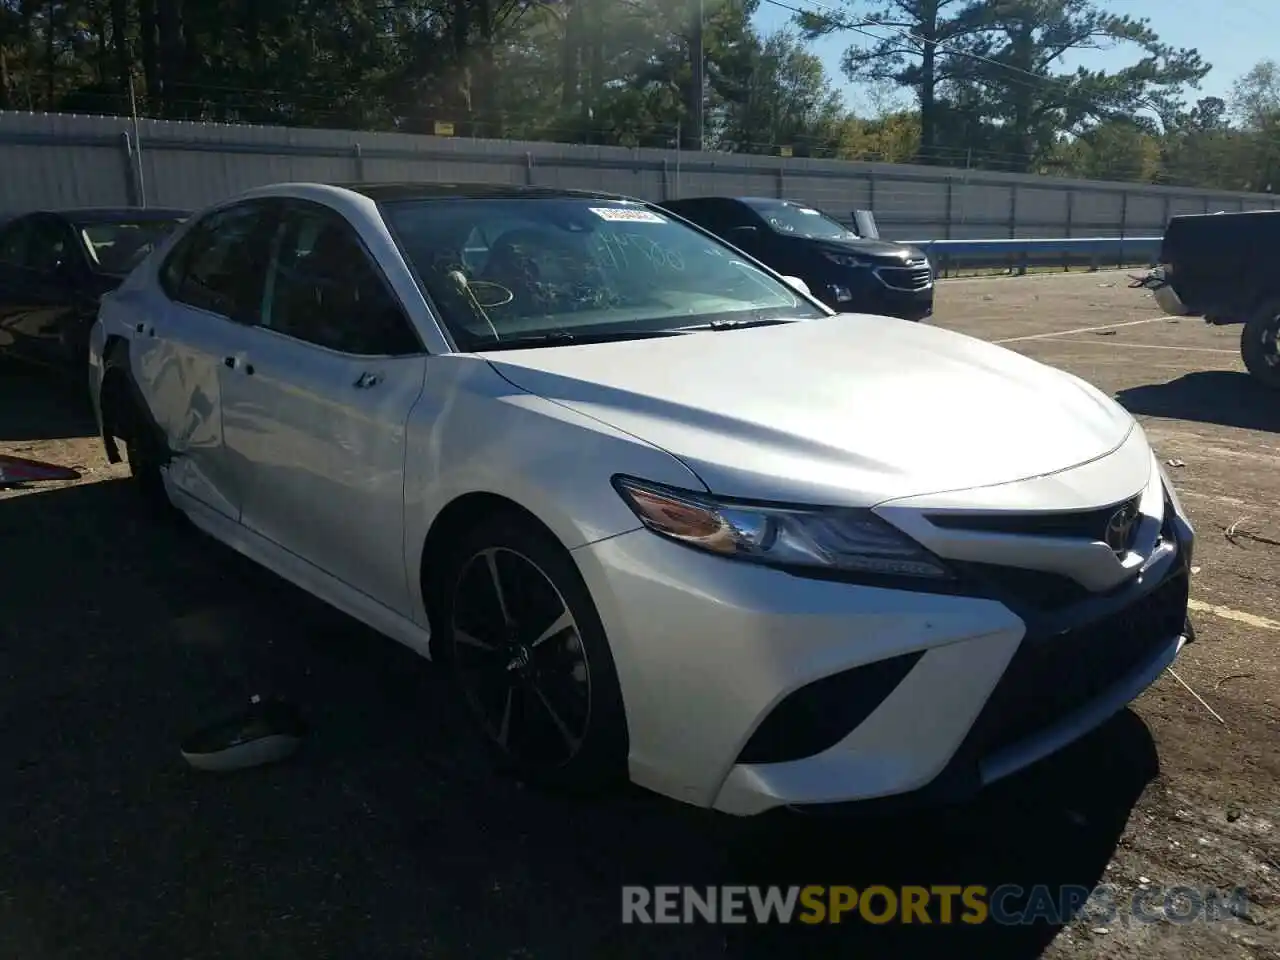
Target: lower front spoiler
{"points": [[968, 774]]}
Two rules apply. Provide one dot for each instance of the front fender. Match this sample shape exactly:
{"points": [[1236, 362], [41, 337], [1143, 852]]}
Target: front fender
{"points": [[474, 432]]}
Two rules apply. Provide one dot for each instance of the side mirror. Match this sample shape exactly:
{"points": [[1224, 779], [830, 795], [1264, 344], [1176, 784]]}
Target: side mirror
{"points": [[799, 285]]}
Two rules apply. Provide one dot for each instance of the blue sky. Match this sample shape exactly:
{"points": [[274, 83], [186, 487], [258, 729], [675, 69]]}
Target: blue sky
{"points": [[1232, 35]]}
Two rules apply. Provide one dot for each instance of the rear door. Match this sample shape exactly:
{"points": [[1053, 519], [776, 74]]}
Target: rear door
{"points": [[66, 292], [43, 291], [189, 328], [13, 283], [315, 409]]}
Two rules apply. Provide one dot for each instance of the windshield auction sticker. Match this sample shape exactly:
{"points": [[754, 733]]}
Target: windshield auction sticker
{"points": [[618, 215]]}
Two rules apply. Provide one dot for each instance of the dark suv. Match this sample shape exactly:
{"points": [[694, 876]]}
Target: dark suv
{"points": [[849, 273]]}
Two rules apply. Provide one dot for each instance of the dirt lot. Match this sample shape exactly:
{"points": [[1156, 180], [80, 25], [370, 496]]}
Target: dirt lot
{"points": [[388, 838]]}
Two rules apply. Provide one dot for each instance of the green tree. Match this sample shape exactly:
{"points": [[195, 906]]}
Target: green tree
{"points": [[1024, 102], [910, 49], [1255, 104], [787, 100], [1115, 149], [1255, 97]]}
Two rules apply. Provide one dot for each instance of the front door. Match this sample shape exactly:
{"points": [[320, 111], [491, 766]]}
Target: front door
{"points": [[315, 409], [188, 330]]}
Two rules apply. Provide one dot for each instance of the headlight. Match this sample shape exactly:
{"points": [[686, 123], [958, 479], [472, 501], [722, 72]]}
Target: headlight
{"points": [[845, 259], [835, 539]]}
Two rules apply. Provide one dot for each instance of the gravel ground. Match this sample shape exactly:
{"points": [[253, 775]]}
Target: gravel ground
{"points": [[387, 837]]}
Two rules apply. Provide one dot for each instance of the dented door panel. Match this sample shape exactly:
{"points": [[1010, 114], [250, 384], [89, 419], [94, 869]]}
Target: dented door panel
{"points": [[177, 359]]}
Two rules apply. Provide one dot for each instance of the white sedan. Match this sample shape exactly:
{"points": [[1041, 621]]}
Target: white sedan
{"points": [[659, 513]]}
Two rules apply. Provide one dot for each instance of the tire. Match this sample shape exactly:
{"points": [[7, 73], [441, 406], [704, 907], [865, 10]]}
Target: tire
{"points": [[144, 462], [1260, 344], [546, 704]]}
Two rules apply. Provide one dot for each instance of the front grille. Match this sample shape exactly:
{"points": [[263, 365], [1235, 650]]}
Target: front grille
{"points": [[1050, 676], [1076, 524], [911, 278], [1023, 590]]}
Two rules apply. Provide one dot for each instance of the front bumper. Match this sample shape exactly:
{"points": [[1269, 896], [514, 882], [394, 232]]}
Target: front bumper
{"points": [[710, 654], [861, 291]]}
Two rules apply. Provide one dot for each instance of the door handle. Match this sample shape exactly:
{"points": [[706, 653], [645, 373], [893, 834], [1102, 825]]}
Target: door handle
{"points": [[143, 328], [231, 363], [366, 380]]}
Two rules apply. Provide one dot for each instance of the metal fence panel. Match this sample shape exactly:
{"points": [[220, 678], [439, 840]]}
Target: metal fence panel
{"points": [[60, 160]]}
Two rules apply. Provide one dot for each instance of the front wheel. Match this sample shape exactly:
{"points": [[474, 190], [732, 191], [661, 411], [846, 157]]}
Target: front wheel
{"points": [[529, 656], [1259, 344]]}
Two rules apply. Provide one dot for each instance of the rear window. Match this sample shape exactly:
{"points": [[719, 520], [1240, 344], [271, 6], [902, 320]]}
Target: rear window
{"points": [[798, 220]]}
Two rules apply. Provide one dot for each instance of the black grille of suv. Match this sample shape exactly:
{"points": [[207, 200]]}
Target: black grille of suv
{"points": [[906, 278], [1050, 676]]}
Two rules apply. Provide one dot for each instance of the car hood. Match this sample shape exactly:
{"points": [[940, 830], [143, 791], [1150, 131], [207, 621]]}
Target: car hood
{"points": [[879, 249], [849, 410]]}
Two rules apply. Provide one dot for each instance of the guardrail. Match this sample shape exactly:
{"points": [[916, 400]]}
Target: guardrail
{"points": [[1019, 255]]}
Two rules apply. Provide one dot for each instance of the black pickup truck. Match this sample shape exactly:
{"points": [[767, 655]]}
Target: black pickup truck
{"points": [[1225, 267]]}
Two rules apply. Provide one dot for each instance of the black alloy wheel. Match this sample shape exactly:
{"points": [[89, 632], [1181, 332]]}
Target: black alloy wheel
{"points": [[529, 656]]}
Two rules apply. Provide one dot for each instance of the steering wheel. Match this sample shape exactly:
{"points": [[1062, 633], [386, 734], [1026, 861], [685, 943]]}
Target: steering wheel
{"points": [[509, 259], [503, 296]]}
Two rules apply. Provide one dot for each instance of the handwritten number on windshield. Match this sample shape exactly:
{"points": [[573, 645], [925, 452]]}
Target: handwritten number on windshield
{"points": [[617, 246]]}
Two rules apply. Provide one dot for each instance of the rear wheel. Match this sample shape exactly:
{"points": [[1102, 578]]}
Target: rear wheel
{"points": [[144, 468], [127, 422], [529, 657], [1260, 344]]}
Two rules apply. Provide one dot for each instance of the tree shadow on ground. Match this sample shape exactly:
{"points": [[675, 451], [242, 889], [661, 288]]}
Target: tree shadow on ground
{"points": [[1223, 397]]}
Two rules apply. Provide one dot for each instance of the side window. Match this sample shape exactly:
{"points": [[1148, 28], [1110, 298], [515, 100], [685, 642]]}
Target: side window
{"points": [[730, 214], [13, 243], [47, 246], [171, 271], [217, 266], [323, 288]]}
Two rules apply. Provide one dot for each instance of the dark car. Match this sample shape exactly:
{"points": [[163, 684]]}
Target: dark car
{"points": [[55, 265], [1220, 266], [849, 273]]}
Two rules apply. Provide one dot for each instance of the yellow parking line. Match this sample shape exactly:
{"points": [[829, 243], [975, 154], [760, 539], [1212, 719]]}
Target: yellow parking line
{"points": [[1141, 346], [1226, 613], [1066, 333]]}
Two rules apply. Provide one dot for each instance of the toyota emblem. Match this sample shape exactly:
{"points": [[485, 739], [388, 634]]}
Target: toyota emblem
{"points": [[1120, 528]]}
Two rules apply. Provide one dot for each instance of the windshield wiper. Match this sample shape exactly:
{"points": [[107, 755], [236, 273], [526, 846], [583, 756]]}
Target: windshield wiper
{"points": [[740, 324], [555, 338]]}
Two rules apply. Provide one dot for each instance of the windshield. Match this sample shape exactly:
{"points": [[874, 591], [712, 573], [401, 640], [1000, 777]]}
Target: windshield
{"points": [[797, 220], [519, 268], [116, 247]]}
